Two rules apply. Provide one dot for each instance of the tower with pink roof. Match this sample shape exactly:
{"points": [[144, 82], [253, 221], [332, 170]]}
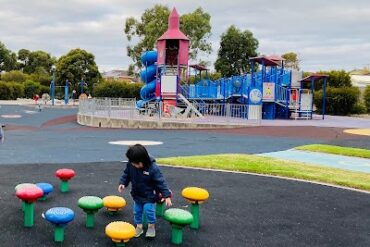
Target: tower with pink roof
{"points": [[172, 61]]}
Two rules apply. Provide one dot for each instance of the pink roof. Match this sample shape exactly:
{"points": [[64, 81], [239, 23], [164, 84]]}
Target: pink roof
{"points": [[173, 31], [314, 77], [275, 58]]}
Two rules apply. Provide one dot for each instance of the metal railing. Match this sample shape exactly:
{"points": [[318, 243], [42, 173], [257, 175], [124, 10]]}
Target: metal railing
{"points": [[214, 113]]}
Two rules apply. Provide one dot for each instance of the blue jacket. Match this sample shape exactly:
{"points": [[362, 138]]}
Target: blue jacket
{"points": [[146, 183]]}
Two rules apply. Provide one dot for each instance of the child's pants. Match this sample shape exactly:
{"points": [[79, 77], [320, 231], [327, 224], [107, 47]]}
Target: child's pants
{"points": [[148, 208]]}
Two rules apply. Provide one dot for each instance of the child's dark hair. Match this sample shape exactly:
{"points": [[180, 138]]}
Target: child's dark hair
{"points": [[137, 153]]}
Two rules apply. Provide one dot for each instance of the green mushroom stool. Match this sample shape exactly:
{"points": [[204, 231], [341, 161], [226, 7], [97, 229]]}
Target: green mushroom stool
{"points": [[178, 219], [90, 205], [195, 196]]}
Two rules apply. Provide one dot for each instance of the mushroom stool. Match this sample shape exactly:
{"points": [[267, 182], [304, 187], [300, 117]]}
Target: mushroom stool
{"points": [[29, 195], [64, 175], [120, 232], [90, 205], [24, 185], [114, 203], [46, 188], [178, 219], [160, 205], [195, 196], [59, 217]]}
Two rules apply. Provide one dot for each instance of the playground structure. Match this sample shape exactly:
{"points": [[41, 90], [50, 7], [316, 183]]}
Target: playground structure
{"points": [[66, 86], [269, 92]]}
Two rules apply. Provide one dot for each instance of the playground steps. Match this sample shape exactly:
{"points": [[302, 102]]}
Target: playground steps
{"points": [[189, 106]]}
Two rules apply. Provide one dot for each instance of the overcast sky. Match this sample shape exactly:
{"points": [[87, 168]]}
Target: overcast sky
{"points": [[326, 34]]}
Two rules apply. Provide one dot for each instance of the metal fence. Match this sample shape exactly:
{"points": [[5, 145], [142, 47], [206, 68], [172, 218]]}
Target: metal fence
{"points": [[215, 113]]}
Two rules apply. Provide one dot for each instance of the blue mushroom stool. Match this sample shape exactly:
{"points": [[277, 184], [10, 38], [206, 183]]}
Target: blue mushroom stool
{"points": [[59, 217], [46, 188]]}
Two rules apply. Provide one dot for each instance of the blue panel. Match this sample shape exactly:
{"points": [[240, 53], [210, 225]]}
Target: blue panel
{"points": [[148, 74]]}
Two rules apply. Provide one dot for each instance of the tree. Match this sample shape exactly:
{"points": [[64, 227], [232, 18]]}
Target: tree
{"points": [[336, 79], [236, 47], [153, 23], [8, 59], [367, 98], [77, 65], [291, 60], [14, 76], [38, 62]]}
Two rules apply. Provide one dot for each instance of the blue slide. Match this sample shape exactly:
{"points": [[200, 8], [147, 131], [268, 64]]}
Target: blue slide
{"points": [[147, 92]]}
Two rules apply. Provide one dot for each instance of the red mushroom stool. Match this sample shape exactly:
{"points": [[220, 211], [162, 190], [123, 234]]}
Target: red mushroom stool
{"points": [[24, 185], [29, 195], [64, 175]]}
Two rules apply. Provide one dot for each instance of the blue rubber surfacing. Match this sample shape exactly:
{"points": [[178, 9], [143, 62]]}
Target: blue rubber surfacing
{"points": [[331, 160]]}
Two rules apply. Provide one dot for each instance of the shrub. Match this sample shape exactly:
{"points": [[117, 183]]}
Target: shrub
{"points": [[118, 89], [17, 90], [5, 91], [31, 88], [359, 109], [339, 101], [367, 98], [14, 76]]}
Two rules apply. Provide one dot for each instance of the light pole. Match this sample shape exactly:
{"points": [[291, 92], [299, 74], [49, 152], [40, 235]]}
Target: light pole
{"points": [[52, 86]]}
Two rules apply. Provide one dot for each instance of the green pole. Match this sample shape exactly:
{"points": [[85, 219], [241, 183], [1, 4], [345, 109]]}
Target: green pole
{"points": [[195, 213], [90, 219], [122, 244], [28, 214], [64, 187], [176, 234], [23, 206], [145, 221], [43, 198], [159, 209], [59, 233]]}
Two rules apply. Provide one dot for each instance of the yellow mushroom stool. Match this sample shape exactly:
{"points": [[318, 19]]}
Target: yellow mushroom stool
{"points": [[114, 203], [120, 232], [195, 196]]}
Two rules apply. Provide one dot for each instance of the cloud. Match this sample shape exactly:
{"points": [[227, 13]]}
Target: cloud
{"points": [[325, 34]]}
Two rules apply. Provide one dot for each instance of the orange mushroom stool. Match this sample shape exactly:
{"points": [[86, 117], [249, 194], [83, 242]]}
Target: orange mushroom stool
{"points": [[195, 196], [114, 203], [120, 232]]}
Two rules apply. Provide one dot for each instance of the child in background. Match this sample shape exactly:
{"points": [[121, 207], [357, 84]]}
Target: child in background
{"points": [[146, 182]]}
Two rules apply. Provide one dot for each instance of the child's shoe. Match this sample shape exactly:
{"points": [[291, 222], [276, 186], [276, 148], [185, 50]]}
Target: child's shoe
{"points": [[150, 233], [138, 231]]}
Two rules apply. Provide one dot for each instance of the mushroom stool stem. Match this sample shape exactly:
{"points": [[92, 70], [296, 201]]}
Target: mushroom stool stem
{"points": [[64, 186], [159, 209], [195, 213], [145, 221], [28, 214], [90, 219], [176, 234], [59, 233]]}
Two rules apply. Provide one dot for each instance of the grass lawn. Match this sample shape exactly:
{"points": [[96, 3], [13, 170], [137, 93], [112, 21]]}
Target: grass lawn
{"points": [[322, 148], [271, 166]]}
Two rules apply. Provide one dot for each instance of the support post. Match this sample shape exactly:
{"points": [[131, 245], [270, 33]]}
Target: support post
{"points": [[66, 93], [324, 99], [64, 186], [176, 234], [90, 219], [28, 214], [159, 209], [59, 233], [195, 213]]}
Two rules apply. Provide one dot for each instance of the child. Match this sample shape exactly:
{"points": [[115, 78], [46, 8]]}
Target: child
{"points": [[146, 181]]}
